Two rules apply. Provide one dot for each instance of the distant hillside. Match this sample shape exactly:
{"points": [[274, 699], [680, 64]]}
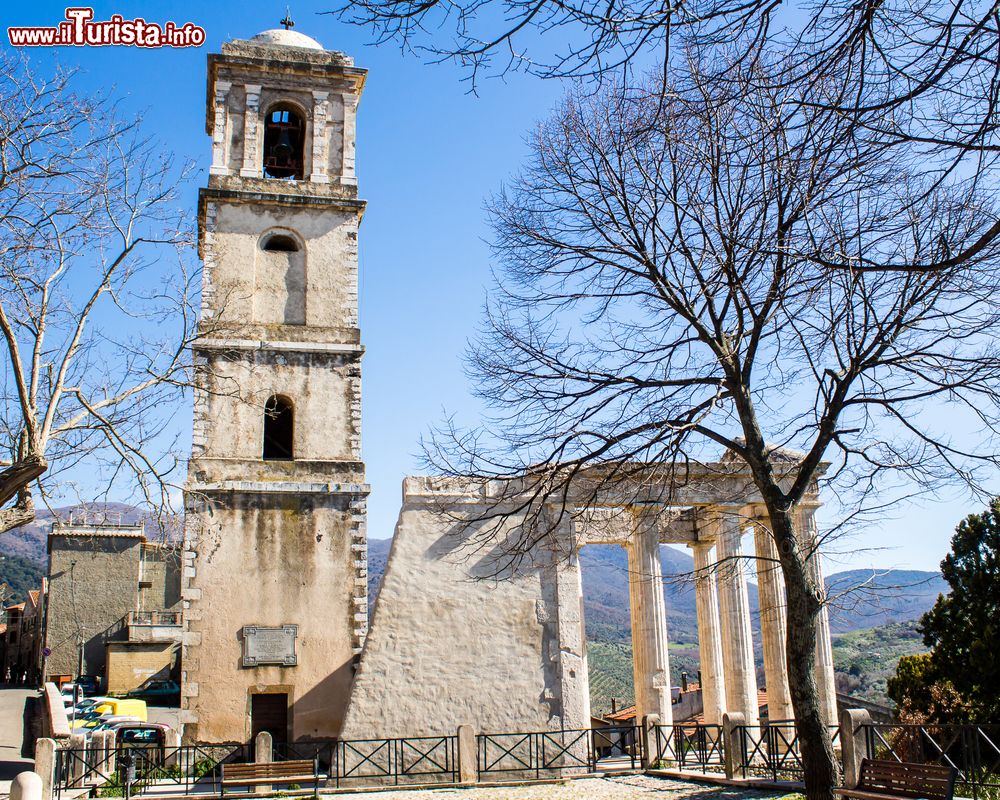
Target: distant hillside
{"points": [[865, 658], [20, 574], [871, 598]]}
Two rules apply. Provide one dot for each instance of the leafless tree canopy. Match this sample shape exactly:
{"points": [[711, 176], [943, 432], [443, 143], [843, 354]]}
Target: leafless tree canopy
{"points": [[666, 294], [920, 75], [95, 298]]}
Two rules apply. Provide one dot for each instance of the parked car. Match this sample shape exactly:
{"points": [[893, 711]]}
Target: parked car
{"points": [[109, 723], [107, 708], [116, 706], [71, 694], [158, 693]]}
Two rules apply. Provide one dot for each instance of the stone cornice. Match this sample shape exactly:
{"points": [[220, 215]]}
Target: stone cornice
{"points": [[276, 487], [324, 348]]}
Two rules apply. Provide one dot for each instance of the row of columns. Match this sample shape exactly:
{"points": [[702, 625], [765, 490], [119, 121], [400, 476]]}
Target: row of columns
{"points": [[728, 673]]}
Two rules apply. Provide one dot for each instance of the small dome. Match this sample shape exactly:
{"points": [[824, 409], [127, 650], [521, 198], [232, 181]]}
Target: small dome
{"points": [[287, 38]]}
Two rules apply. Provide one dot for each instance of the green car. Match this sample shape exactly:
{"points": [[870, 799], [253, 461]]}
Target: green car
{"points": [[161, 693]]}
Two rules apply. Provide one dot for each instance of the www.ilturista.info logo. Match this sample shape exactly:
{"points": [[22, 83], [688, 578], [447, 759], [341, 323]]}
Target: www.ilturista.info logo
{"points": [[79, 30]]}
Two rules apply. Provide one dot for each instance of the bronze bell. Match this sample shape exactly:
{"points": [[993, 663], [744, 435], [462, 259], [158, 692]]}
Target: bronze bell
{"points": [[282, 150]]}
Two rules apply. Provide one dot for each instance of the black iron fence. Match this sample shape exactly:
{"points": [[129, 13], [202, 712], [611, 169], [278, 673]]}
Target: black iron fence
{"points": [[772, 751], [537, 754], [424, 759], [690, 746], [131, 770], [973, 750], [323, 750]]}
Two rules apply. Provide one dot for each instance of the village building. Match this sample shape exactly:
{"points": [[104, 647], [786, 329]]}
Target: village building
{"points": [[20, 639], [113, 606]]}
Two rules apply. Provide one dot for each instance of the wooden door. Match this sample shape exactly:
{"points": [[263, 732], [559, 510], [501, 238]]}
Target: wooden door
{"points": [[269, 712]]}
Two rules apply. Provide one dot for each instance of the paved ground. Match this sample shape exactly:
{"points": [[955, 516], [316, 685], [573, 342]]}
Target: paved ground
{"points": [[11, 763], [630, 787]]}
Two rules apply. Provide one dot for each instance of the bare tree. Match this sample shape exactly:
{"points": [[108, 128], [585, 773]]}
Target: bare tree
{"points": [[95, 298], [915, 74], [666, 295]]}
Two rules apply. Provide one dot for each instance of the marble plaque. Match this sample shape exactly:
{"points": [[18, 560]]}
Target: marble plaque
{"points": [[264, 646]]}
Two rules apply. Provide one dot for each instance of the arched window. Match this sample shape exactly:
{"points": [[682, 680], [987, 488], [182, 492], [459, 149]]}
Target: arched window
{"points": [[284, 143], [280, 243], [279, 428]]}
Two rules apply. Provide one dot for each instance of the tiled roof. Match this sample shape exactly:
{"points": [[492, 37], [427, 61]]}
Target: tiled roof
{"points": [[16, 607], [33, 595], [626, 714], [623, 715]]}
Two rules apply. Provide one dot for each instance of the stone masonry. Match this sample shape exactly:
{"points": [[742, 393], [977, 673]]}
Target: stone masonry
{"points": [[273, 543]]}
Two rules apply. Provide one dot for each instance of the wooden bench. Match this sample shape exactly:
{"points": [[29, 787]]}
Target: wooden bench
{"points": [[888, 779], [276, 772]]}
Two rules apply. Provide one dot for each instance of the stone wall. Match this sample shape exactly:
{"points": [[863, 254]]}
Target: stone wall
{"points": [[451, 643], [90, 598], [160, 586], [268, 560], [132, 664]]}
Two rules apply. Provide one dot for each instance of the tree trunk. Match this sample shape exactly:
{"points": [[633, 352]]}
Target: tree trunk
{"points": [[804, 601], [14, 480]]}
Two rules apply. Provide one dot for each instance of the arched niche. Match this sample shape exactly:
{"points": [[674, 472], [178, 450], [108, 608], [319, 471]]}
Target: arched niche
{"points": [[279, 295]]}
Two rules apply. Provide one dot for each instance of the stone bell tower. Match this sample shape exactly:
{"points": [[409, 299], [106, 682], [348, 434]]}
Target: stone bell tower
{"points": [[275, 593]]}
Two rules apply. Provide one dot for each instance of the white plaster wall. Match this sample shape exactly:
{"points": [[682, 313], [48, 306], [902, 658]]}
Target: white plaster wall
{"points": [[445, 649], [331, 262]]}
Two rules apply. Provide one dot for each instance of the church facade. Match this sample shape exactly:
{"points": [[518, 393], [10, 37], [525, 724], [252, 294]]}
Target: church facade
{"points": [[275, 576]]}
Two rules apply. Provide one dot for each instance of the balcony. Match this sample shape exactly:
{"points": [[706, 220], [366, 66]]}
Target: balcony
{"points": [[154, 626]]}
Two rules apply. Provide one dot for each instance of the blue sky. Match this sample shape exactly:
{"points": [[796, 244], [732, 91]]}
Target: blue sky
{"points": [[429, 154]]}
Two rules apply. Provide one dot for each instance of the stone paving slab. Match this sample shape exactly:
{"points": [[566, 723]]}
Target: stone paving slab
{"points": [[630, 787]]}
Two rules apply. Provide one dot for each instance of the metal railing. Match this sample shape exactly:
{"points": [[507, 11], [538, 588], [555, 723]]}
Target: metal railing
{"points": [[421, 759], [772, 750], [324, 750], [109, 772], [690, 746], [973, 750], [153, 618], [537, 754]]}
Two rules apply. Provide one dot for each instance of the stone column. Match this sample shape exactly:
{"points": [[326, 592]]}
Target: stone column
{"points": [[713, 682], [347, 174], [650, 660], [734, 614], [805, 519], [220, 130], [251, 161], [318, 174], [771, 590], [571, 657]]}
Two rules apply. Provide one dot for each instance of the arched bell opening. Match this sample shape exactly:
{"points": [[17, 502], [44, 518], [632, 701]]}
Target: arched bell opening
{"points": [[284, 143]]}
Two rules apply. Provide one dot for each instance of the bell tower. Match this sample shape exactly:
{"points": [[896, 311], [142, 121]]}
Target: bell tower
{"points": [[275, 595]]}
